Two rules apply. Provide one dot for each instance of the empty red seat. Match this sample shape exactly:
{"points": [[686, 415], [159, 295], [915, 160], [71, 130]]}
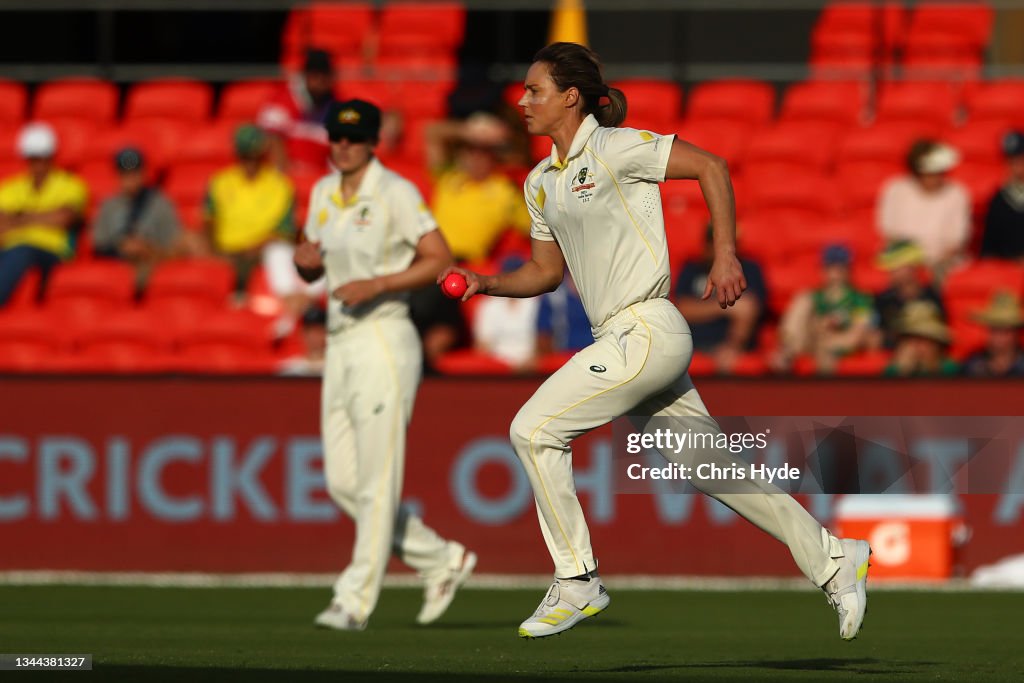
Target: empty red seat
{"points": [[327, 25], [102, 179], [864, 364], [206, 283], [82, 98], [838, 101], [808, 144], [727, 139], [1001, 100], [212, 144], [806, 191], [402, 44], [88, 290], [653, 103], [883, 142], [789, 278], [979, 142], [863, 17], [972, 20], [916, 102], [158, 141], [13, 99], [444, 20], [187, 184], [736, 99], [30, 340], [241, 101], [471, 362], [857, 182], [73, 139], [977, 282], [180, 100]]}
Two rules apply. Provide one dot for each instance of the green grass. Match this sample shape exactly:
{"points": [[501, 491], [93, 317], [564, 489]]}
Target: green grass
{"points": [[149, 634]]}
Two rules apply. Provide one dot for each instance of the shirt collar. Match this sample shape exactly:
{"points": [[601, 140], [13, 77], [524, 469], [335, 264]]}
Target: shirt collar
{"points": [[579, 141], [367, 187]]}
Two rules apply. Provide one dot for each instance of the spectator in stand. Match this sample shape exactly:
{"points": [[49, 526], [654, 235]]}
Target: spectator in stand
{"points": [[250, 217], [474, 202], [909, 281], [314, 345], [928, 208], [723, 332], [562, 322], [138, 224], [440, 324], [829, 322], [923, 343], [506, 328], [294, 117], [1003, 355], [39, 210], [1004, 222]]}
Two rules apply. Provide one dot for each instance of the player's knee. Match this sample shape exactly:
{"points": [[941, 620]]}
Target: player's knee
{"points": [[520, 433]]}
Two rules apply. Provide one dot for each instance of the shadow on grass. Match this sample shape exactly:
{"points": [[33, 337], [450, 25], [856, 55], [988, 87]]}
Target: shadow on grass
{"points": [[862, 666]]}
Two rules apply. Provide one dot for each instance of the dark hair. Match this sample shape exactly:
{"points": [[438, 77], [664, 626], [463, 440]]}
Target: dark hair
{"points": [[918, 151], [574, 66]]}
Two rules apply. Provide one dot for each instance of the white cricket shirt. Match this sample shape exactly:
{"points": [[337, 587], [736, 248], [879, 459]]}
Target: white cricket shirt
{"points": [[603, 207], [375, 233]]}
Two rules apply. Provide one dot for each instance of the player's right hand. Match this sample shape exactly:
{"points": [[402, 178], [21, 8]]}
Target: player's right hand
{"points": [[474, 282], [307, 256]]}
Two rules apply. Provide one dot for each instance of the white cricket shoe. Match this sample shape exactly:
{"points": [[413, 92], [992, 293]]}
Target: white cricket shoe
{"points": [[337, 617], [567, 603], [847, 590], [439, 590]]}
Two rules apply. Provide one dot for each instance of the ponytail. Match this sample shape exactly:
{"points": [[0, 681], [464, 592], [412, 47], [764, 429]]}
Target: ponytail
{"points": [[574, 66]]}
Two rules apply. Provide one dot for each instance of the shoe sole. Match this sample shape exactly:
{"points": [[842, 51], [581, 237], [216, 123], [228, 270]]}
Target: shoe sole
{"points": [[468, 565], [862, 561], [591, 610]]}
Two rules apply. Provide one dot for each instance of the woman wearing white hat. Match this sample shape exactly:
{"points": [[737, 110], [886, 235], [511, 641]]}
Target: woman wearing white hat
{"points": [[38, 209], [926, 207]]}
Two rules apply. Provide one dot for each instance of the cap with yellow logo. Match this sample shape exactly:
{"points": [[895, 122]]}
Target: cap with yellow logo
{"points": [[354, 120]]}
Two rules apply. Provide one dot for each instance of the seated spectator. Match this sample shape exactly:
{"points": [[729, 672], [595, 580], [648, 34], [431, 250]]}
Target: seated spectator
{"points": [[562, 322], [138, 224], [506, 328], [439, 321], [830, 322], [725, 333], [250, 212], [39, 209], [928, 208], [314, 345], [294, 117], [908, 281], [1004, 221], [474, 202], [921, 350], [1003, 355]]}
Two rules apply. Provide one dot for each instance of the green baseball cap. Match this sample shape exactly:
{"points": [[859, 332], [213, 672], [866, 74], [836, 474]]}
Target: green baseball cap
{"points": [[250, 141]]}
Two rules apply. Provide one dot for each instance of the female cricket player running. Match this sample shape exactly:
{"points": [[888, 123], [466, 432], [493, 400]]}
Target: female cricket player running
{"points": [[596, 206], [370, 231]]}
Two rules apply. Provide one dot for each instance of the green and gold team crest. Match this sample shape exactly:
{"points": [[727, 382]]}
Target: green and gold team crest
{"points": [[363, 218], [582, 190]]}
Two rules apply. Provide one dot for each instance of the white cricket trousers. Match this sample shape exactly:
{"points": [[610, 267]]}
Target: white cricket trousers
{"points": [[637, 366], [371, 375]]}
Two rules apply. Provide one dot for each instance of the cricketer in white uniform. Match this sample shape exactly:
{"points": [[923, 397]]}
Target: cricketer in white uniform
{"points": [[365, 227], [595, 203]]}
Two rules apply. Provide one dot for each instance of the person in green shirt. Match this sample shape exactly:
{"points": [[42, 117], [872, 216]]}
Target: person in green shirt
{"points": [[828, 322], [922, 348]]}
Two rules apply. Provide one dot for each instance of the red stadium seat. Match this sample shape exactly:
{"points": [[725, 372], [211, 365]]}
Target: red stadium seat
{"points": [[90, 290], [858, 182], [73, 139], [997, 101], [128, 342], [241, 331], [13, 100], [864, 17], [86, 99], [917, 102], [381, 93], [201, 284], [187, 184], [787, 279], [727, 139], [471, 362], [737, 100], [701, 365], [982, 180], [750, 365], [869, 277], [30, 340], [26, 295], [403, 44], [808, 144], [653, 103], [332, 25], [883, 142], [158, 141], [810, 241], [838, 101], [424, 99], [241, 101], [979, 281], [102, 179], [763, 236], [979, 142], [971, 20], [865, 364], [224, 360], [807, 191], [212, 144], [181, 100], [444, 20], [950, 47]]}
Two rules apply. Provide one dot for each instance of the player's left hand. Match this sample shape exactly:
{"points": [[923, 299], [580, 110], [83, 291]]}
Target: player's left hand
{"points": [[358, 291], [727, 277]]}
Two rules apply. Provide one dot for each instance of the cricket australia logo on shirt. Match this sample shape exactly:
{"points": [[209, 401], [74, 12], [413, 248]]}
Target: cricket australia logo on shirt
{"points": [[363, 219], [583, 184]]}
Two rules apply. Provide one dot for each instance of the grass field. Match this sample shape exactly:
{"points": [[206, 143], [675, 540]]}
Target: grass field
{"points": [[159, 634]]}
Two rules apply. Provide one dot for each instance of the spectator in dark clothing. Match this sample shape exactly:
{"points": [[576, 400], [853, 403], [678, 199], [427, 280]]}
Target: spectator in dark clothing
{"points": [[909, 281], [1003, 355], [724, 333], [138, 224], [562, 323], [439, 321], [1004, 221]]}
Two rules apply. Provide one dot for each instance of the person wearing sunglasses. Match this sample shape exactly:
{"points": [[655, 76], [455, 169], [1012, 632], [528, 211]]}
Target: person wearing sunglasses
{"points": [[370, 232]]}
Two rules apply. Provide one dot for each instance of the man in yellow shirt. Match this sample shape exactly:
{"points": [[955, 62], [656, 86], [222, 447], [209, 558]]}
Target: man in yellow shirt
{"points": [[38, 209], [474, 202], [249, 206]]}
